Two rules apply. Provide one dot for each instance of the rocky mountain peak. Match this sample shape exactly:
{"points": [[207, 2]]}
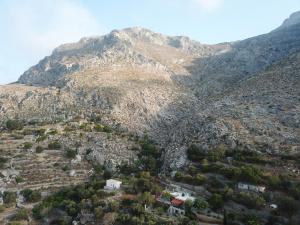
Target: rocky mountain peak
{"points": [[294, 19]]}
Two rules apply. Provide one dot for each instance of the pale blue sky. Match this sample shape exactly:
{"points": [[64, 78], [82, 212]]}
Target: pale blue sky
{"points": [[32, 28]]}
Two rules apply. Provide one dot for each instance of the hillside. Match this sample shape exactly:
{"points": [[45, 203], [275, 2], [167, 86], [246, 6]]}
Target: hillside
{"points": [[176, 90]]}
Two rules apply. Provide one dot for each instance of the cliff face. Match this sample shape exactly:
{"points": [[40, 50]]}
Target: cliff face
{"points": [[179, 91]]}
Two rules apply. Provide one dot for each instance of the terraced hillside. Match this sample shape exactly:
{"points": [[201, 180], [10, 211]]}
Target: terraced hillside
{"points": [[60, 155]]}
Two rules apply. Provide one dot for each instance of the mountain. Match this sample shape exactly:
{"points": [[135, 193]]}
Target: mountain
{"points": [[243, 94], [294, 19]]}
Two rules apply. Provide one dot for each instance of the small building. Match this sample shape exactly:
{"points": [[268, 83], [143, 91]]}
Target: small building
{"points": [[273, 206], [242, 186], [250, 187], [112, 184], [176, 211], [257, 188], [183, 196]]}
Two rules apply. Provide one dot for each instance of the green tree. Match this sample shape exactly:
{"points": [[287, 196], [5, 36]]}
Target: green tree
{"points": [[107, 175], [201, 204], [188, 204], [146, 198], [216, 201]]}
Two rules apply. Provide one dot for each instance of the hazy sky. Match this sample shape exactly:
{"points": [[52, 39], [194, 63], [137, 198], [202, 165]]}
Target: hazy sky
{"points": [[32, 28]]}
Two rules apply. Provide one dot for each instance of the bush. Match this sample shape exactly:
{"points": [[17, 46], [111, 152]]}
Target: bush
{"points": [[9, 197], [103, 128], [70, 153], [21, 214], [250, 200], [201, 204], [14, 125], [2, 162], [39, 149], [27, 145], [216, 201], [41, 138], [66, 168], [288, 205], [31, 196], [251, 174], [55, 145], [195, 153], [199, 179], [19, 180], [107, 175]]}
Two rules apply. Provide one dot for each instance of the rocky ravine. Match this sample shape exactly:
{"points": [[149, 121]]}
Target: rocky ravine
{"points": [[179, 91]]}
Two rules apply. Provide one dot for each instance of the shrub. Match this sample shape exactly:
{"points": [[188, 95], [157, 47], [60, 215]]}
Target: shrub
{"points": [[70, 153], [107, 175], [288, 205], [21, 214], [39, 149], [252, 220], [251, 174], [201, 204], [103, 128], [55, 145], [195, 153], [199, 179], [250, 200], [9, 197], [66, 168], [41, 138], [107, 129], [2, 162], [216, 201], [14, 125], [27, 145], [19, 180], [31, 196]]}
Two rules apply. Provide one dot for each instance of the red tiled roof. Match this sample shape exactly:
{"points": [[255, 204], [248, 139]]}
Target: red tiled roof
{"points": [[177, 202]]}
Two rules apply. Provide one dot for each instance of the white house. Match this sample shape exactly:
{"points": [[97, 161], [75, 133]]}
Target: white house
{"points": [[183, 196], [112, 184]]}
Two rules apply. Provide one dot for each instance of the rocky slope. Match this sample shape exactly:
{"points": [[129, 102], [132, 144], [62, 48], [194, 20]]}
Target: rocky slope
{"points": [[179, 91]]}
